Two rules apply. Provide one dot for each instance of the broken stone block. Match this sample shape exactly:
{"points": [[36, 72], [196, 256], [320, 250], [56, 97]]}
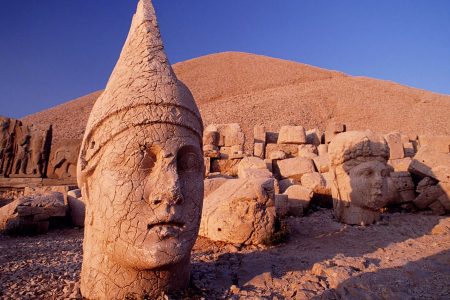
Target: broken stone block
{"points": [[322, 163], [400, 165], [322, 149], [439, 143], [284, 184], [278, 155], [289, 150], [445, 197], [281, 205], [211, 151], [431, 163], [207, 162], [299, 198], [292, 135], [230, 134], [404, 186], [259, 150], [259, 134], [233, 152], [211, 138], [409, 149], [316, 182], [307, 151], [395, 144], [212, 184], [437, 208], [429, 195], [314, 137], [295, 167], [333, 129], [241, 211], [248, 163], [77, 207], [225, 166]]}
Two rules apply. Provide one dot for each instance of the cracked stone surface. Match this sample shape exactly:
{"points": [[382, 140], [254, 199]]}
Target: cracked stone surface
{"points": [[141, 174]]}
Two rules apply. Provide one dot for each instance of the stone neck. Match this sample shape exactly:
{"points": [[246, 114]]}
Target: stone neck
{"points": [[355, 215]]}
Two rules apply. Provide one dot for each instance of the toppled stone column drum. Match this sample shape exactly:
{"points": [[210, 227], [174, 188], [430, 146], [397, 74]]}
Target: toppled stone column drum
{"points": [[141, 174], [360, 186]]}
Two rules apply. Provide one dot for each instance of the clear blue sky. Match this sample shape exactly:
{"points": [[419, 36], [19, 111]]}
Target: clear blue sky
{"points": [[52, 51]]}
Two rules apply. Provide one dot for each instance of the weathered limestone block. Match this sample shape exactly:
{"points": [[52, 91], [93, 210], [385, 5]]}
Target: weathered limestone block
{"points": [[278, 155], [295, 167], [281, 205], [428, 195], [395, 144], [249, 163], [284, 184], [445, 197], [333, 129], [431, 163], [409, 149], [404, 187], [212, 184], [400, 165], [437, 208], [230, 134], [259, 150], [439, 143], [259, 134], [424, 184], [317, 183], [322, 149], [314, 137], [289, 150], [31, 214], [77, 207], [292, 135], [207, 163], [141, 174], [322, 163], [360, 188], [307, 151], [211, 138], [299, 199], [241, 211], [227, 167], [211, 151]]}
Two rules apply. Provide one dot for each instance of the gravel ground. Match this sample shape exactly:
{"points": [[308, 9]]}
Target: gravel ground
{"points": [[405, 256]]}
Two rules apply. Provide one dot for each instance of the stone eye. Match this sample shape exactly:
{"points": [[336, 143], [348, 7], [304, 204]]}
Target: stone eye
{"points": [[188, 160], [148, 160]]}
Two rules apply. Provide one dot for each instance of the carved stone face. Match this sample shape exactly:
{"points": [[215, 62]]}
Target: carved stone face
{"points": [[147, 196], [369, 186]]}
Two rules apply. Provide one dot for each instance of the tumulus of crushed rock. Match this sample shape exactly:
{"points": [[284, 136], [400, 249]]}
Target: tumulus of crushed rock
{"points": [[250, 89], [405, 256]]}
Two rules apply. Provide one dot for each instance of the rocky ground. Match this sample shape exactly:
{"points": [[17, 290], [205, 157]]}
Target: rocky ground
{"points": [[405, 256]]}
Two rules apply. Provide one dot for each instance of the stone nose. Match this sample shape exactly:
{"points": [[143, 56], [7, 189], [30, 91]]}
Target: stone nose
{"points": [[166, 189]]}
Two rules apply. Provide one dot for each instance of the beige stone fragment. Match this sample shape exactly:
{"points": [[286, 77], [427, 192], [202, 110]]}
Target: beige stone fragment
{"points": [[307, 151], [322, 149], [322, 163], [429, 195], [241, 211], [278, 155], [292, 135], [212, 184], [259, 134], [259, 150], [333, 128], [431, 163], [289, 150], [400, 165], [207, 162], [250, 163], [404, 187], [225, 166], [316, 182], [314, 137], [437, 208], [295, 168], [211, 138], [77, 208], [395, 144], [299, 199], [409, 149], [230, 134], [439, 143]]}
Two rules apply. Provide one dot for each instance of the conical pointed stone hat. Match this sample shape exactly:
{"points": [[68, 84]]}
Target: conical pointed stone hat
{"points": [[142, 90]]}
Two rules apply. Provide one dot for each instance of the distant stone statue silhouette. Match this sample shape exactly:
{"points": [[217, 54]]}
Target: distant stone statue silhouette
{"points": [[141, 174], [360, 187]]}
